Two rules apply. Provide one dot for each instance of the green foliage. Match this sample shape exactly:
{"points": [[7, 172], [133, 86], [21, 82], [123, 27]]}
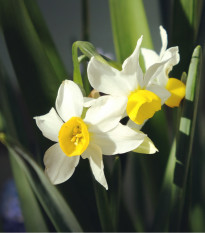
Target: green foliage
{"points": [[146, 192]]}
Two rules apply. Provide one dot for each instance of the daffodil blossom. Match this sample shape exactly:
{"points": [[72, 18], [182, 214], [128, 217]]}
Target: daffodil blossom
{"points": [[140, 98], [174, 86], [98, 133]]}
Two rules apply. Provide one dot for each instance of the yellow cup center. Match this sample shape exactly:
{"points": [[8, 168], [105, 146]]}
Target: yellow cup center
{"points": [[74, 137], [142, 104], [177, 90]]}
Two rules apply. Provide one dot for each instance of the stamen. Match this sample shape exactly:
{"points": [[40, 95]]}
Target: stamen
{"points": [[74, 137]]}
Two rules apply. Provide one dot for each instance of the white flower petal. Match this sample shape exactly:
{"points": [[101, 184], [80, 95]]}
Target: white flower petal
{"points": [[159, 91], [131, 68], [49, 124], [58, 166], [163, 35], [88, 101], [107, 79], [150, 57], [105, 113], [131, 124], [119, 140], [94, 154], [153, 72], [69, 101], [147, 147]]}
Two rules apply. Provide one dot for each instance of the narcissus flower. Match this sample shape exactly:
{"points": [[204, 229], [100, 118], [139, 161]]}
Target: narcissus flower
{"points": [[173, 85], [140, 98], [98, 133]]}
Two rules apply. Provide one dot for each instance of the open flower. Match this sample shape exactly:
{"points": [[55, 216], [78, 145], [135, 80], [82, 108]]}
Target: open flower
{"points": [[140, 98], [171, 55], [98, 133]]}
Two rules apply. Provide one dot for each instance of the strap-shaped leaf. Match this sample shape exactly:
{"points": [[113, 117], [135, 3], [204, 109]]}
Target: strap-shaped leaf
{"points": [[45, 38], [35, 73], [176, 176], [50, 198], [89, 51], [33, 218], [186, 18], [129, 22], [186, 135]]}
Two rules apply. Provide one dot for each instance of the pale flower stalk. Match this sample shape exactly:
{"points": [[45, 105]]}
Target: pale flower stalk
{"points": [[98, 133]]}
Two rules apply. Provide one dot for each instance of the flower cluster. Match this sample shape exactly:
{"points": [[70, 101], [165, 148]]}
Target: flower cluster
{"points": [[91, 128]]}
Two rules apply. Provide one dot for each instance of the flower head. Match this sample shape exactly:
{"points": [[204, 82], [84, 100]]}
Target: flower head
{"points": [[140, 98], [171, 56], [98, 133]]}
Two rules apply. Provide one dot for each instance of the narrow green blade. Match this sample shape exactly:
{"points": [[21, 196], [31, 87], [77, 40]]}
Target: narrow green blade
{"points": [[185, 137], [89, 51], [129, 22], [186, 19], [172, 196], [50, 198], [32, 213], [36, 75], [33, 218], [45, 38]]}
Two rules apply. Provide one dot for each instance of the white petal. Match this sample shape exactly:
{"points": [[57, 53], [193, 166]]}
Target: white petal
{"points": [[131, 124], [163, 35], [119, 140], [94, 154], [58, 166], [105, 113], [147, 147], [131, 67], [88, 101], [107, 79], [150, 57], [49, 124], [159, 91], [171, 54], [154, 71], [69, 101]]}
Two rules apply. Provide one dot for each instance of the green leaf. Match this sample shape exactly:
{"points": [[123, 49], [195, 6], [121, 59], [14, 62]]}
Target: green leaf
{"points": [[129, 22], [116, 192], [103, 207], [45, 38], [162, 212], [89, 51], [36, 75], [33, 218], [50, 198], [186, 19], [174, 189], [32, 213], [186, 134]]}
